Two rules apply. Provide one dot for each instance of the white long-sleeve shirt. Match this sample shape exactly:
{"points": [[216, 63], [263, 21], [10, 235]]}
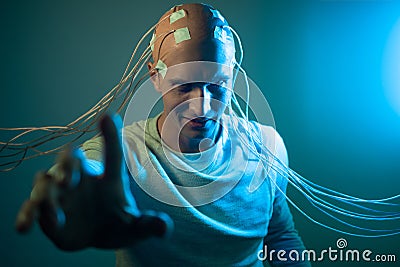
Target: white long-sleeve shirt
{"points": [[219, 220]]}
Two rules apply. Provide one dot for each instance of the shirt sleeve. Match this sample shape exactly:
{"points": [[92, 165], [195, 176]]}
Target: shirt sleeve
{"points": [[282, 235], [93, 148]]}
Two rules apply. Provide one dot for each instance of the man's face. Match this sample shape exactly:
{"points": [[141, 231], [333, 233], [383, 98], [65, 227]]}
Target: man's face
{"points": [[195, 95]]}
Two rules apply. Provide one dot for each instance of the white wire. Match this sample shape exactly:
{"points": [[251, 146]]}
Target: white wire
{"points": [[305, 187]]}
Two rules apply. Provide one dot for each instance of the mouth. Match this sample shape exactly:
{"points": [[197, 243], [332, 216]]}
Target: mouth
{"points": [[198, 123]]}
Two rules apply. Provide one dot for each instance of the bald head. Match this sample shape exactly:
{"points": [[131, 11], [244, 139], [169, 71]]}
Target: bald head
{"points": [[192, 32]]}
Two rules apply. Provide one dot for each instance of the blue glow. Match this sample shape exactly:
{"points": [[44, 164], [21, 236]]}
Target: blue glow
{"points": [[391, 68]]}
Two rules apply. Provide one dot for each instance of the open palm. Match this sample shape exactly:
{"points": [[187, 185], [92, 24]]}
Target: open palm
{"points": [[80, 206]]}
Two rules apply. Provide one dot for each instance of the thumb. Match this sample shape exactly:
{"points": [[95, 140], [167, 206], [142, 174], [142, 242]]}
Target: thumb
{"points": [[152, 223]]}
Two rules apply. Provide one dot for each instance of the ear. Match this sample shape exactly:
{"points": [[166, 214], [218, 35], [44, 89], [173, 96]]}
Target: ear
{"points": [[154, 76]]}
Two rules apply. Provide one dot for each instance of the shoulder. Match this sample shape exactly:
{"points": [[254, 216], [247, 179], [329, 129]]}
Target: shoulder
{"points": [[93, 148], [269, 135], [274, 141]]}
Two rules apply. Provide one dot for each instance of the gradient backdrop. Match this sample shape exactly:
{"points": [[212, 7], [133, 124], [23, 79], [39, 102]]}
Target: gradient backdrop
{"points": [[330, 70]]}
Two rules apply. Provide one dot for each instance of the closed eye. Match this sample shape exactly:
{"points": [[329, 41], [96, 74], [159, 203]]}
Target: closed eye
{"points": [[216, 90]]}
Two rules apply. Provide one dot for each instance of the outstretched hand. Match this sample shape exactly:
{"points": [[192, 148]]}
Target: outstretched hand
{"points": [[79, 207]]}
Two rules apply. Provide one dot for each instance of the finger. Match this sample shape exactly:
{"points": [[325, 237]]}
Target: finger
{"points": [[113, 148], [152, 223], [68, 172], [47, 195], [26, 216], [40, 190], [29, 209], [40, 204]]}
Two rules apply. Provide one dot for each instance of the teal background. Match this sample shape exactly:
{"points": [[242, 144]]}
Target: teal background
{"points": [[321, 65]]}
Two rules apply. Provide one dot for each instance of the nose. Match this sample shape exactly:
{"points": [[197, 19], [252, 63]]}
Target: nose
{"points": [[200, 100]]}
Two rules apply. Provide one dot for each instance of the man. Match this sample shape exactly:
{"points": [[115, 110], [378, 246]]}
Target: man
{"points": [[188, 167]]}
